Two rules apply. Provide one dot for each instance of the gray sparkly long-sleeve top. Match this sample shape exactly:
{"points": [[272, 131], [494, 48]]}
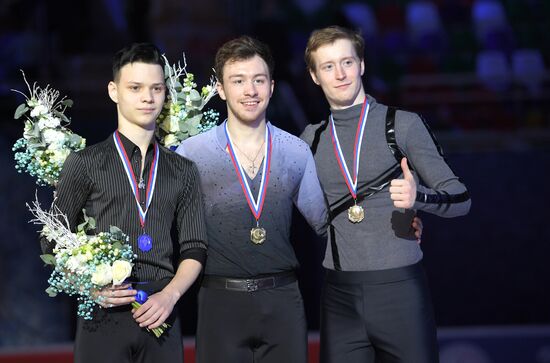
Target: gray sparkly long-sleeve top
{"points": [[293, 181]]}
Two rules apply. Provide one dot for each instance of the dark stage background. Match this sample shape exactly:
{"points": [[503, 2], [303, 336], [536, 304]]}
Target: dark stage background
{"points": [[477, 70]]}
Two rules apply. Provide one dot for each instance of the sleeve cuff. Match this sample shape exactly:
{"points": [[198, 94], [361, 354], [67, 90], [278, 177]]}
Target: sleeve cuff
{"points": [[194, 253]]}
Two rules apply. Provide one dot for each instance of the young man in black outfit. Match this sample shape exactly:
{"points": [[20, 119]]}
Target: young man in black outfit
{"points": [[132, 182]]}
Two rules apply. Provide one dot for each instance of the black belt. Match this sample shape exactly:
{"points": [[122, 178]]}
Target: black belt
{"points": [[249, 285]]}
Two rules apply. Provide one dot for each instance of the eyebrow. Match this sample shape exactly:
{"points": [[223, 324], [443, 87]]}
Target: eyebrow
{"points": [[141, 83], [243, 75]]}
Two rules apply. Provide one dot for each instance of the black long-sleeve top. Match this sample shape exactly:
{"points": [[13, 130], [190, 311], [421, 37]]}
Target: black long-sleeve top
{"points": [[94, 179]]}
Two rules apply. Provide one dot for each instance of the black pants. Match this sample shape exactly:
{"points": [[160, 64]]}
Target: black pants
{"points": [[378, 316], [113, 336], [265, 326]]}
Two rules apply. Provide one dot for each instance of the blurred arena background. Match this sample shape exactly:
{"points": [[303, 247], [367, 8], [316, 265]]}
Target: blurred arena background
{"points": [[477, 70]]}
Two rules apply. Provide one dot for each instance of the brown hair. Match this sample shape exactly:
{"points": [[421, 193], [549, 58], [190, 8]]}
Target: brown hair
{"points": [[329, 35], [242, 48]]}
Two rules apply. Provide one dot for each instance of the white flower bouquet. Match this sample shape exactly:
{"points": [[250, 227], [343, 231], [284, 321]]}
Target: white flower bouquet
{"points": [[182, 115], [46, 140], [83, 264]]}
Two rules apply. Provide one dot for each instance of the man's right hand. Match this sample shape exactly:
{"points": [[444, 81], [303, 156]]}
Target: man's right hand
{"points": [[111, 296]]}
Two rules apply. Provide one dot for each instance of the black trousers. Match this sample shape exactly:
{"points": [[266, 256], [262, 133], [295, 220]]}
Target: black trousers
{"points": [[265, 326], [113, 336], [378, 316]]}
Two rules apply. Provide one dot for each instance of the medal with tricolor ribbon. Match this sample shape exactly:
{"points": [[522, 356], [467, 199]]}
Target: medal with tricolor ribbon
{"points": [[257, 234], [145, 241], [355, 213]]}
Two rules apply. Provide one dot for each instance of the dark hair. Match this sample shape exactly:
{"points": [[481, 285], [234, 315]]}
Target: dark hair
{"points": [[329, 35], [136, 52], [242, 48]]}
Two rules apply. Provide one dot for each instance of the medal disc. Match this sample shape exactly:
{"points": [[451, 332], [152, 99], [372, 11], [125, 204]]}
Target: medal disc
{"points": [[257, 235], [145, 242], [356, 213]]}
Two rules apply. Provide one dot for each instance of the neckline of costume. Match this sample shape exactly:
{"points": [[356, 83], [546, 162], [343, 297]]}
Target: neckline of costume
{"points": [[348, 116]]}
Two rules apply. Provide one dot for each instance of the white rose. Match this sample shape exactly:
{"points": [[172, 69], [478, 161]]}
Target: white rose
{"points": [[54, 137], [102, 275], [121, 271], [170, 124], [59, 155], [39, 110], [170, 140], [49, 122], [76, 264]]}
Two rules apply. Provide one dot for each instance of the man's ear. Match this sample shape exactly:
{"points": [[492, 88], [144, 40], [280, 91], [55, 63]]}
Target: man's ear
{"points": [[221, 92], [362, 67], [272, 87], [112, 88], [314, 77]]}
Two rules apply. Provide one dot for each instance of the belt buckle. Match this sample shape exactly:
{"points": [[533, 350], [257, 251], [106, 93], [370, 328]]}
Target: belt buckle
{"points": [[252, 285]]}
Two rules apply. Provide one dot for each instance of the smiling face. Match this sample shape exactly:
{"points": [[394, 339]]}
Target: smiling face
{"points": [[338, 71], [139, 94], [247, 88]]}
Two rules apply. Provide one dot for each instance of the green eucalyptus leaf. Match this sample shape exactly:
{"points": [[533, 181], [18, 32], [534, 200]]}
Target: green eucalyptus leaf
{"points": [[91, 223], [116, 232], [33, 133], [74, 139], [61, 116], [48, 259], [67, 102], [88, 224], [117, 245], [82, 227], [20, 110], [195, 96]]}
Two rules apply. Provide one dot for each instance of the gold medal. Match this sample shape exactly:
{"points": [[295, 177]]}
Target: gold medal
{"points": [[356, 213], [257, 235]]}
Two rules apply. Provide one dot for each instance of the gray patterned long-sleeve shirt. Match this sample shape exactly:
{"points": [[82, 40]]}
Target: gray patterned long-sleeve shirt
{"points": [[384, 239]]}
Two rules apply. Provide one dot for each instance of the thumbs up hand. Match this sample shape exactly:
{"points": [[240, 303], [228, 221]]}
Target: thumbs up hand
{"points": [[403, 191]]}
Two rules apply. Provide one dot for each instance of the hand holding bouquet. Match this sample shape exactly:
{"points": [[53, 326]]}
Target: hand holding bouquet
{"points": [[83, 264]]}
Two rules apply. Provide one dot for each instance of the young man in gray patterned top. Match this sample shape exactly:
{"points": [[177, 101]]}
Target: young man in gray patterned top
{"points": [[370, 158]]}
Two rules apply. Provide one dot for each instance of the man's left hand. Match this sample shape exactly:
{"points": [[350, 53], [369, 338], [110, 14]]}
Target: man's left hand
{"points": [[155, 310], [418, 227], [403, 191]]}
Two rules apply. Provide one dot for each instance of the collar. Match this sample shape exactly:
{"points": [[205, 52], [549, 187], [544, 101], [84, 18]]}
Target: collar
{"points": [[222, 139], [352, 113], [131, 148]]}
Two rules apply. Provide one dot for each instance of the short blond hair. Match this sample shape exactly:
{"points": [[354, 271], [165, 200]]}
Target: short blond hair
{"points": [[329, 35]]}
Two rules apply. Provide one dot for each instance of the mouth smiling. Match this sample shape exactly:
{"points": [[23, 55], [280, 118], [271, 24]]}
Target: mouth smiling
{"points": [[250, 103]]}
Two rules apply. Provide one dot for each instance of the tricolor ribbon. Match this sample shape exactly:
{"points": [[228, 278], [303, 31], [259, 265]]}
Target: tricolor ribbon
{"points": [[151, 180], [255, 205], [351, 182]]}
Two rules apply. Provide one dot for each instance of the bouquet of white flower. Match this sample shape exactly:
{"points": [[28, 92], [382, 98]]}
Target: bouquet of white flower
{"points": [[183, 115], [83, 264], [46, 140]]}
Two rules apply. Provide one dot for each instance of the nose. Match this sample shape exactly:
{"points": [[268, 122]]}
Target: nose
{"points": [[147, 96], [340, 72], [250, 89]]}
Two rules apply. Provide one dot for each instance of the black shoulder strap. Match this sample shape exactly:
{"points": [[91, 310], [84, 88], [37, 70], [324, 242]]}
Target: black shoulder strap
{"points": [[317, 136], [390, 134], [438, 147], [366, 190]]}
